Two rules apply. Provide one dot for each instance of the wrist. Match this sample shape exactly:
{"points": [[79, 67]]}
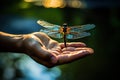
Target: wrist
{"points": [[10, 42]]}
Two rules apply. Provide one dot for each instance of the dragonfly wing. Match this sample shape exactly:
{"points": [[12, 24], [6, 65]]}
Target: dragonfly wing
{"points": [[82, 28], [77, 35], [52, 32], [46, 24], [55, 35]]}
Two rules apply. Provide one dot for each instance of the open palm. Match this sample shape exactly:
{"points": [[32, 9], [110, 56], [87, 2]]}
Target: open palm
{"points": [[50, 53]]}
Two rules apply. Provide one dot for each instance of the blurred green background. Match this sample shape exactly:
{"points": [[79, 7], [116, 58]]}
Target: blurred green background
{"points": [[20, 16]]}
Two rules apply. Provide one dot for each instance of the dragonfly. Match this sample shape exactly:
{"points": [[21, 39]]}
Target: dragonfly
{"points": [[65, 31]]}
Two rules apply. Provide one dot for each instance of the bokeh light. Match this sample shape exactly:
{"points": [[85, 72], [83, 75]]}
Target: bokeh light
{"points": [[29, 0], [76, 4], [53, 3], [58, 3]]}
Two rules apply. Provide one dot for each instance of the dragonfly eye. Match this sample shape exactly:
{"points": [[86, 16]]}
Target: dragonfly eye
{"points": [[65, 24]]}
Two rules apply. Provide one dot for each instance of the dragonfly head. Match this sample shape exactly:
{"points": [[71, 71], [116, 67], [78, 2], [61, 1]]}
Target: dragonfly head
{"points": [[65, 25]]}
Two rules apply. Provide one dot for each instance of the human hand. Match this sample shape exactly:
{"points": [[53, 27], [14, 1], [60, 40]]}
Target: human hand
{"points": [[50, 53]]}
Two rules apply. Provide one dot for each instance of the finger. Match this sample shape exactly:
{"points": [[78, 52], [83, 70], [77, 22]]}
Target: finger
{"points": [[73, 44], [84, 48], [67, 58], [58, 50], [75, 49], [55, 52], [69, 49]]}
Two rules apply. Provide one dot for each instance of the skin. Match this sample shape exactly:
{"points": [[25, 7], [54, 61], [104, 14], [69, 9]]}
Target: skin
{"points": [[43, 49]]}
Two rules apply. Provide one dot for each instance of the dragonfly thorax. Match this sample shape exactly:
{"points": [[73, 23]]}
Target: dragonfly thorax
{"points": [[64, 29]]}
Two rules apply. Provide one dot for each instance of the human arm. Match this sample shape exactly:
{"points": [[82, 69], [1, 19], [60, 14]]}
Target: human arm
{"points": [[43, 49], [10, 42]]}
